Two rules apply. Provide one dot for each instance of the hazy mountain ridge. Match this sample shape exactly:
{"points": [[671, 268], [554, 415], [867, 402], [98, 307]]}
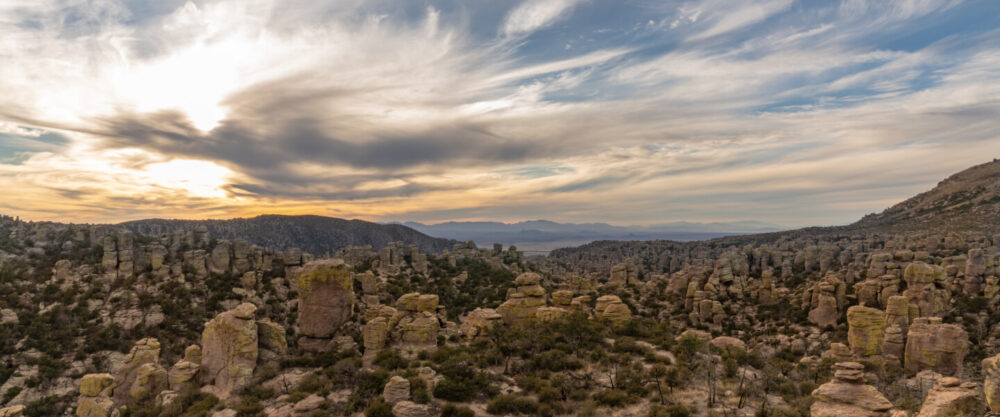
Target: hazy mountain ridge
{"points": [[313, 234], [540, 233], [967, 201]]}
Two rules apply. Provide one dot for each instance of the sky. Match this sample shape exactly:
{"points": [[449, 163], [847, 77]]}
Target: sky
{"points": [[631, 112]]}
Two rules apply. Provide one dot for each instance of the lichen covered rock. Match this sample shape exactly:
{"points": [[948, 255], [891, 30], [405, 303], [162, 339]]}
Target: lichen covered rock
{"points": [[326, 297], [229, 350]]}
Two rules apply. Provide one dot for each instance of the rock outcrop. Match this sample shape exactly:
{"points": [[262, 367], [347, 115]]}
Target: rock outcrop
{"points": [[140, 375], [95, 396], [229, 350], [933, 345], [478, 321], [326, 298], [848, 395], [611, 308], [991, 382], [952, 398], [865, 331], [396, 390], [523, 303]]}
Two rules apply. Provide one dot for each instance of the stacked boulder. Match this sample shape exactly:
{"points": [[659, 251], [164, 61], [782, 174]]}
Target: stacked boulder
{"points": [[848, 395], [825, 300], [524, 301], [416, 323], [611, 308]]}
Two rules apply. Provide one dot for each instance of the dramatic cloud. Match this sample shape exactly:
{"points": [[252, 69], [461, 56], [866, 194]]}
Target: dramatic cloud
{"points": [[783, 111]]}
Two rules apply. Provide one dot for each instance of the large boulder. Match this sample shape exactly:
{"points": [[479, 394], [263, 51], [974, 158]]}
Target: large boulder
{"points": [[95, 396], [478, 321], [991, 382], [935, 346], [411, 409], [375, 333], [12, 411], [612, 308], [952, 398], [396, 390], [326, 295], [848, 395], [865, 331], [140, 374], [229, 350]]}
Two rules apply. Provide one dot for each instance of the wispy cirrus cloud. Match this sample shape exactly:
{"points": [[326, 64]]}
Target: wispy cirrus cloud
{"points": [[641, 112]]}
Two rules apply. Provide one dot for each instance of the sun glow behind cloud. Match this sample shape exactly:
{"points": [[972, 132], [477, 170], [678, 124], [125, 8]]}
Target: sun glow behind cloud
{"points": [[576, 111]]}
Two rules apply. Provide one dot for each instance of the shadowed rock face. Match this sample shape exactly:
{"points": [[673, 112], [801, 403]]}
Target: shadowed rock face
{"points": [[326, 298]]}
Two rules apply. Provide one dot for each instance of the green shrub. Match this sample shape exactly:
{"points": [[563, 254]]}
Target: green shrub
{"points": [[511, 404], [450, 410], [676, 410], [379, 408], [611, 398]]}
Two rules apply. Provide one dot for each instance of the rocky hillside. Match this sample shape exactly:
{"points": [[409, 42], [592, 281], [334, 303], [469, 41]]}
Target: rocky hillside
{"points": [[313, 234], [968, 200]]}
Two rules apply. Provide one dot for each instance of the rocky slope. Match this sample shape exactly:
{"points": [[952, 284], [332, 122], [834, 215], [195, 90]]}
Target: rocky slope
{"points": [[313, 234], [968, 200]]}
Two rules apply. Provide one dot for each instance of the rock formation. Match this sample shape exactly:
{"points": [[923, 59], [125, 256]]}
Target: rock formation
{"points": [[522, 303], [847, 395], [935, 346], [95, 396], [326, 298], [229, 350], [865, 331], [140, 376], [952, 398]]}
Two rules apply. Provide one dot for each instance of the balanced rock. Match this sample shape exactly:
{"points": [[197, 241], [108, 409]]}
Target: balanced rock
{"points": [[523, 303], [847, 395], [229, 350], [326, 295]]}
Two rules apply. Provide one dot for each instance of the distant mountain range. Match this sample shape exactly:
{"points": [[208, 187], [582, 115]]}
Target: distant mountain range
{"points": [[313, 234], [544, 235]]}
